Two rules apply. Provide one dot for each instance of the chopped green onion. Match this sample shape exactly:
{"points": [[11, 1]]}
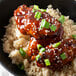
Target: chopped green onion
{"points": [[47, 62], [63, 56], [61, 19], [44, 24], [37, 15], [74, 36], [21, 66], [43, 10], [42, 50], [22, 52], [53, 27], [39, 46], [56, 44], [33, 10], [36, 7], [37, 57]]}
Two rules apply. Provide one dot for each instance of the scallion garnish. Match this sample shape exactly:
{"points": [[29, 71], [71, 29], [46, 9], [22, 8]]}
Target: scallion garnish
{"points": [[37, 57], [61, 19], [53, 27], [36, 7], [39, 46], [21, 66], [44, 24], [33, 10], [42, 50], [74, 36], [37, 15], [43, 10], [63, 56], [47, 62], [56, 44], [22, 52]]}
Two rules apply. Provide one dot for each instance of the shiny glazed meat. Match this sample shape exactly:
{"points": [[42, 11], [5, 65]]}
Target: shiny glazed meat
{"points": [[28, 24], [44, 42], [68, 47], [33, 51]]}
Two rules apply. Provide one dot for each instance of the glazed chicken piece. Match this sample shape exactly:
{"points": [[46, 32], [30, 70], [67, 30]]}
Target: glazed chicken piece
{"points": [[32, 50], [51, 56], [44, 42], [27, 23], [55, 58]]}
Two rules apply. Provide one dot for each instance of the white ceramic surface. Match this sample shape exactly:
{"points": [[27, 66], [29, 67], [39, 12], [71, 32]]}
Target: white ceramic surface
{"points": [[4, 72]]}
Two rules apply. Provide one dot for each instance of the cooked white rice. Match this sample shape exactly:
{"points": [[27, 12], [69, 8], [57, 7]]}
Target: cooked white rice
{"points": [[13, 40]]}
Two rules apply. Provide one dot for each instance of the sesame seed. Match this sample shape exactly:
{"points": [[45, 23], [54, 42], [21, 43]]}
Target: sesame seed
{"points": [[46, 47], [52, 19], [22, 26], [45, 34], [32, 25], [58, 61], [33, 33], [18, 20], [60, 49], [27, 29], [47, 31], [64, 44], [49, 20], [23, 20], [23, 12], [32, 43], [18, 13], [16, 17]]}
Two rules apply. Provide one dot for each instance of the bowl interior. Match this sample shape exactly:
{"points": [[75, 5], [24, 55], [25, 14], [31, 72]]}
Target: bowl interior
{"points": [[67, 7]]}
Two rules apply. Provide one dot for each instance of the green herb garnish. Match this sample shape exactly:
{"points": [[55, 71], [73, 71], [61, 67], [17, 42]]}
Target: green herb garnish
{"points": [[74, 36], [63, 56], [53, 28], [56, 44], [22, 52], [47, 62], [44, 24], [39, 46], [37, 15], [42, 50], [37, 57], [61, 19], [33, 10], [43, 10], [21, 66], [36, 7]]}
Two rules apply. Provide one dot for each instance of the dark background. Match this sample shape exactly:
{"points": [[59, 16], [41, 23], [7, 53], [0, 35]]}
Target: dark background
{"points": [[67, 7]]}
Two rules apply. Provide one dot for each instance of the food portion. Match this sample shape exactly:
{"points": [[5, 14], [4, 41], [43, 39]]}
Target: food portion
{"points": [[45, 30], [55, 56], [41, 41], [35, 22]]}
